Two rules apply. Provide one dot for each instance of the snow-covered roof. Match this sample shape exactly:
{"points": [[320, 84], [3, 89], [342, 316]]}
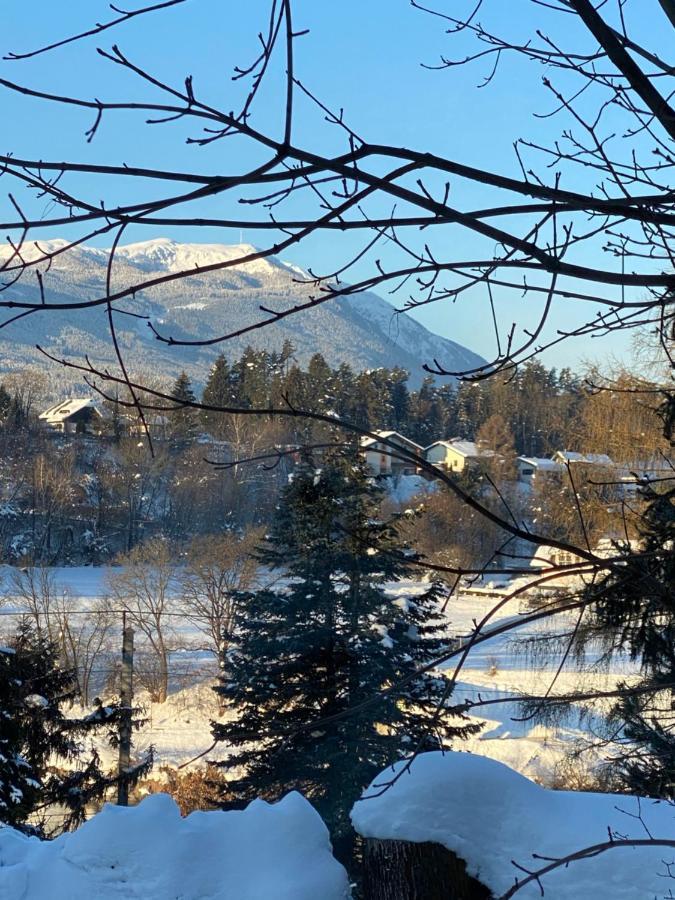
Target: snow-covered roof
{"points": [[467, 449], [538, 462], [391, 436], [495, 819], [593, 459], [55, 415], [440, 444]]}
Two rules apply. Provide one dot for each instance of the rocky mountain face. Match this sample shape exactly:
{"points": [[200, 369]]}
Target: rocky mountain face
{"points": [[363, 330]]}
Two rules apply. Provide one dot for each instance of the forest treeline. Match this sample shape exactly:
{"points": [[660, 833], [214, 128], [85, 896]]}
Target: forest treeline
{"points": [[543, 409], [86, 497]]}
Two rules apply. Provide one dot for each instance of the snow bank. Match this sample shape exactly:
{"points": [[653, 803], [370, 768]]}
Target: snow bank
{"points": [[490, 816], [275, 851]]}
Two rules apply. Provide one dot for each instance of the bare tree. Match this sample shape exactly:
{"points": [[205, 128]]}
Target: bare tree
{"points": [[83, 640], [133, 480], [28, 388], [215, 570], [143, 585]]}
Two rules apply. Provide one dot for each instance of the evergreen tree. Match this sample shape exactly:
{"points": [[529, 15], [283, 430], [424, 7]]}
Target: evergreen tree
{"points": [[323, 644], [320, 375], [400, 400], [344, 391], [218, 392], [5, 403], [427, 418], [635, 608], [285, 356], [44, 764], [252, 375], [183, 419]]}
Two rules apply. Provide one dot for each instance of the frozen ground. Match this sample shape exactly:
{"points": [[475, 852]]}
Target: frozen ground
{"points": [[498, 669]]}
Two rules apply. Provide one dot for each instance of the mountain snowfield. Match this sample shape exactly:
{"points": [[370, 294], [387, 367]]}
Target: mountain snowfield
{"points": [[363, 330]]}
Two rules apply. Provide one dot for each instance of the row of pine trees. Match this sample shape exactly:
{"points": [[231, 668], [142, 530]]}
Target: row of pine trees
{"points": [[538, 405]]}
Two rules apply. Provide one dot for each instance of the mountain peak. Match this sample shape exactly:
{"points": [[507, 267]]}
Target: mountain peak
{"points": [[166, 254], [362, 329]]}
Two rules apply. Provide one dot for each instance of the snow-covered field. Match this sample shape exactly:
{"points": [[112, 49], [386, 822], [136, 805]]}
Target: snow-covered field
{"points": [[179, 729], [488, 813]]}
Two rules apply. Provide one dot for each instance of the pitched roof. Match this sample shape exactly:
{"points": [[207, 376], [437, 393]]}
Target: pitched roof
{"points": [[595, 459], [439, 444], [67, 408], [467, 449], [538, 463], [391, 436]]}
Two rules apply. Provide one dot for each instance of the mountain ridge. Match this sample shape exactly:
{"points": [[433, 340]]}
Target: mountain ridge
{"points": [[363, 329]]}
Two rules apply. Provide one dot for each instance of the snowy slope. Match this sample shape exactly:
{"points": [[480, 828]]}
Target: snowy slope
{"points": [[275, 851], [492, 818], [363, 330]]}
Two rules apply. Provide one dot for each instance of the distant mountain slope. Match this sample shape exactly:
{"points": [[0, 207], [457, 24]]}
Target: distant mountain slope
{"points": [[362, 330]]}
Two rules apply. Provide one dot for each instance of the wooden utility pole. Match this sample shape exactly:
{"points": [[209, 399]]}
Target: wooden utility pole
{"points": [[126, 700]]}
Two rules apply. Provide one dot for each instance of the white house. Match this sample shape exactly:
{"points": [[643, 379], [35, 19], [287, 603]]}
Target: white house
{"points": [[379, 455], [455, 456], [530, 468], [78, 415]]}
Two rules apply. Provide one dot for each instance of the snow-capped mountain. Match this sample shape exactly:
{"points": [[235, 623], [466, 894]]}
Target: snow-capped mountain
{"points": [[363, 330]]}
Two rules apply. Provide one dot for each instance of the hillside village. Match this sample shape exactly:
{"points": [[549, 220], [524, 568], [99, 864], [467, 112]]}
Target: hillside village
{"points": [[87, 416], [101, 494]]}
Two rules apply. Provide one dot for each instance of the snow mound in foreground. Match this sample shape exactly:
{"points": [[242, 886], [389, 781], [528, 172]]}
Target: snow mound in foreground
{"points": [[278, 851], [490, 815]]}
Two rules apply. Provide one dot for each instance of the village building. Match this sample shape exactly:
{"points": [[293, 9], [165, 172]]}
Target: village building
{"points": [[381, 457], [79, 415], [157, 425], [571, 457], [531, 468], [455, 456]]}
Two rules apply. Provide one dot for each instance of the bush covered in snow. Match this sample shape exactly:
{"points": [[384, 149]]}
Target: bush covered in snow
{"points": [[279, 851], [492, 817]]}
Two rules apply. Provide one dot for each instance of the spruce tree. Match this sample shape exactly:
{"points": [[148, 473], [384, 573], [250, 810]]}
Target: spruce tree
{"points": [[218, 392], [48, 776], [636, 611], [324, 643], [400, 400], [5, 403], [183, 419]]}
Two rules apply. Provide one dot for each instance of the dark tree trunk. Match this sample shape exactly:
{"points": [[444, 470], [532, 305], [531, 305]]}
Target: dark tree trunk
{"points": [[401, 870]]}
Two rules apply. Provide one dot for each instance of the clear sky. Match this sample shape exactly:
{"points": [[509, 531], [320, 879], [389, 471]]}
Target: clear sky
{"points": [[362, 55]]}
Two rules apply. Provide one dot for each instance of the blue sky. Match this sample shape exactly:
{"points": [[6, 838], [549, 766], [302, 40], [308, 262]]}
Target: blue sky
{"points": [[363, 56]]}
